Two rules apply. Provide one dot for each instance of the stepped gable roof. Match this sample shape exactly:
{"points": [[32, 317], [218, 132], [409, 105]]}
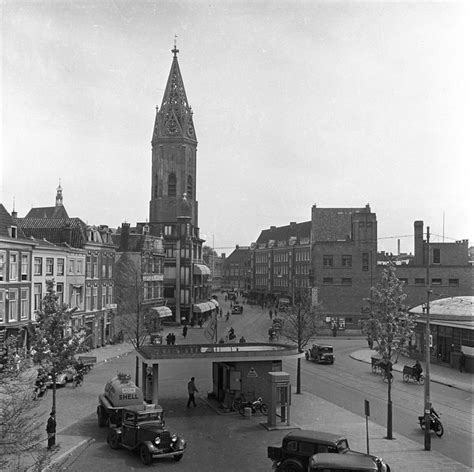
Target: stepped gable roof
{"points": [[238, 255], [284, 233], [334, 224], [55, 230], [6, 222], [48, 212]]}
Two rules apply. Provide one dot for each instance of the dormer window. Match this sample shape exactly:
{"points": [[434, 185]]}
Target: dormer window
{"points": [[14, 232]]}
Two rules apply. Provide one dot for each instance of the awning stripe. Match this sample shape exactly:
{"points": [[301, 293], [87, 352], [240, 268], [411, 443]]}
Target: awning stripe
{"points": [[201, 269], [163, 311]]}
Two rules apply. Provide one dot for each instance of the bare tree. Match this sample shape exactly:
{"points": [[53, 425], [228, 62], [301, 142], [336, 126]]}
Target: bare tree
{"points": [[20, 421], [132, 319], [301, 322], [389, 327]]}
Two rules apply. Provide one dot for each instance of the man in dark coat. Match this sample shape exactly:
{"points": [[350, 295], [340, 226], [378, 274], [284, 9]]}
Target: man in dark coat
{"points": [[51, 430]]}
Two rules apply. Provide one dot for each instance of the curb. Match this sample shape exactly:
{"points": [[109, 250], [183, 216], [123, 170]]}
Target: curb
{"points": [[434, 380], [56, 460]]}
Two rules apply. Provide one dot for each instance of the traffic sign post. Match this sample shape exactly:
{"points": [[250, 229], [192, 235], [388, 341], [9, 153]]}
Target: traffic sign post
{"points": [[367, 414]]}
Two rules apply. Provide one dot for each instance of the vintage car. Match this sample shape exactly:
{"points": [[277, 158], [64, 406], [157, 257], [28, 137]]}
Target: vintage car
{"points": [[322, 354], [237, 309], [298, 447], [326, 462], [143, 430]]}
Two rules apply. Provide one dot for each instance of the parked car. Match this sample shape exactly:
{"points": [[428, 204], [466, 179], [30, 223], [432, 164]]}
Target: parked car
{"points": [[326, 462], [143, 430], [322, 354], [298, 447], [62, 378]]}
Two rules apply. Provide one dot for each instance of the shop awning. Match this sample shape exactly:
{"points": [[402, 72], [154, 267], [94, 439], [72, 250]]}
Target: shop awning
{"points": [[203, 307], [215, 302], [201, 269], [162, 311]]}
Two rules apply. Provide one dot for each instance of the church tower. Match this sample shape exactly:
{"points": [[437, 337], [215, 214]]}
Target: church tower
{"points": [[173, 204], [174, 147]]}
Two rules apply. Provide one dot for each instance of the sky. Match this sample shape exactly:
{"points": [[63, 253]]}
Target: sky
{"points": [[296, 103]]}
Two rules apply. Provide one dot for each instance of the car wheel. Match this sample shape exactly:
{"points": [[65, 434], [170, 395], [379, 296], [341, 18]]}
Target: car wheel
{"points": [[291, 465], [178, 457], [101, 416], [145, 455], [406, 378], [113, 439], [422, 380]]}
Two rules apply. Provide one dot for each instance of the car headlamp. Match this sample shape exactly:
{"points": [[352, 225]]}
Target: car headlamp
{"points": [[174, 437], [157, 440]]}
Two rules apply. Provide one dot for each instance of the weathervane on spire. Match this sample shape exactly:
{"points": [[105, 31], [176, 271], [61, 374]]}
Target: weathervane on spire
{"points": [[175, 50]]}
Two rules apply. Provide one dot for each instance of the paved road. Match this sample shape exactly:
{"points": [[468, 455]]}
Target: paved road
{"points": [[225, 443], [348, 383]]}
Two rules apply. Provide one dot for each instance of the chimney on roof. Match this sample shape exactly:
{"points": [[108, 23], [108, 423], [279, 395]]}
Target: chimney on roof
{"points": [[14, 214], [273, 227], [236, 246], [125, 237], [419, 244], [292, 223]]}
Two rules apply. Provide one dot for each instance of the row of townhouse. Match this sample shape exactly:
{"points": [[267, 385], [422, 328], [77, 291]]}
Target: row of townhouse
{"points": [[335, 254], [77, 257], [84, 262]]}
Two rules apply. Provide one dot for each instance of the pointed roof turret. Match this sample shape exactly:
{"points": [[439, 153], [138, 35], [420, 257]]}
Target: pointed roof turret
{"points": [[175, 118], [59, 195]]}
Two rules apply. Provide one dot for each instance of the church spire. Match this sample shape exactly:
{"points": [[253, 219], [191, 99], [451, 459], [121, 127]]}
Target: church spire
{"points": [[59, 195], [175, 118]]}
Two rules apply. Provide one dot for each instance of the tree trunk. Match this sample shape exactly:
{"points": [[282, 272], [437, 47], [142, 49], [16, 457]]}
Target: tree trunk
{"points": [[389, 407], [298, 376]]}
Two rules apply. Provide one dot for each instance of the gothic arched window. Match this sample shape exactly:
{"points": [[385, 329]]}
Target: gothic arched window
{"points": [[172, 185], [189, 189]]}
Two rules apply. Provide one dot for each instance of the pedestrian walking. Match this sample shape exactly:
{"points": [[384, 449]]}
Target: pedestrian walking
{"points": [[227, 316], [270, 313], [220, 312], [173, 339], [200, 322], [185, 331], [462, 362], [51, 430], [191, 390]]}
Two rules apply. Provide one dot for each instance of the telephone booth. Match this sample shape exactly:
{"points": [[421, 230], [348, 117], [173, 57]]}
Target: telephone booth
{"points": [[280, 400]]}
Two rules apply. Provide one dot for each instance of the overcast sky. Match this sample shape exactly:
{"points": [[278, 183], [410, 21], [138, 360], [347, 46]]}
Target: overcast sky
{"points": [[296, 103]]}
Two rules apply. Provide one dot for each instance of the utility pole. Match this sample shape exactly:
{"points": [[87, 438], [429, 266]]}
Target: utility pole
{"points": [[427, 347]]}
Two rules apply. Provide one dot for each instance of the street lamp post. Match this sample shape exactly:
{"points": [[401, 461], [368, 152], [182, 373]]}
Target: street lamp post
{"points": [[427, 418]]}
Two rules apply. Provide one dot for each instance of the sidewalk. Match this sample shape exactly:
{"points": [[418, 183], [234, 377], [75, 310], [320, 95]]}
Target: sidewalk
{"points": [[307, 412], [438, 373]]}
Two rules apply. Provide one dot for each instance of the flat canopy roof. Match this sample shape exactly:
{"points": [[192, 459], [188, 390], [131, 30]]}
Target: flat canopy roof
{"points": [[218, 352]]}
